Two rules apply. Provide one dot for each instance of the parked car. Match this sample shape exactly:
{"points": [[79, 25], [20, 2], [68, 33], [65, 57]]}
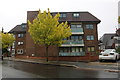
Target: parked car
{"points": [[109, 54]]}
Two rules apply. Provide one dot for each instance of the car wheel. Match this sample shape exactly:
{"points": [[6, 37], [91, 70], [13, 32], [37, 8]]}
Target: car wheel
{"points": [[115, 59], [100, 60]]}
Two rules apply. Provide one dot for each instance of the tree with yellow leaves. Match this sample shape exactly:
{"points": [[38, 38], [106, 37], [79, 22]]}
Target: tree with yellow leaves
{"points": [[6, 41], [45, 29]]}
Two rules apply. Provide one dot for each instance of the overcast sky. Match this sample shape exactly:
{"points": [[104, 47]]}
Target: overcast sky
{"points": [[14, 12]]}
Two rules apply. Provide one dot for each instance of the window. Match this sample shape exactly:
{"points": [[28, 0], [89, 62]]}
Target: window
{"points": [[13, 45], [89, 26], [63, 15], [77, 49], [81, 49], [72, 38], [64, 49], [61, 50], [20, 35], [65, 39], [23, 26], [20, 43], [76, 38], [76, 14], [13, 51], [20, 51], [73, 50], [76, 26], [91, 49], [73, 26], [90, 37]]}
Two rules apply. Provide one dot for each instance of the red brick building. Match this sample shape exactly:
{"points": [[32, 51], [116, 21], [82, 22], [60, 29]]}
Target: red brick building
{"points": [[19, 46], [82, 45]]}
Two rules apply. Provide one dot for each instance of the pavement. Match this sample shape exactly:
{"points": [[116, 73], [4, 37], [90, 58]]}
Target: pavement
{"points": [[105, 66]]}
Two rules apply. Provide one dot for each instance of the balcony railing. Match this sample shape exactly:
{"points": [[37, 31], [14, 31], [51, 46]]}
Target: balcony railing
{"points": [[73, 43], [72, 54], [77, 30]]}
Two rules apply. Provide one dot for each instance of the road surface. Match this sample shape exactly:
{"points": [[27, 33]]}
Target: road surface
{"points": [[13, 69]]}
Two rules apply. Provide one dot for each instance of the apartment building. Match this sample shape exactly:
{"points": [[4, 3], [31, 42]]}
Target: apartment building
{"points": [[82, 45], [19, 47]]}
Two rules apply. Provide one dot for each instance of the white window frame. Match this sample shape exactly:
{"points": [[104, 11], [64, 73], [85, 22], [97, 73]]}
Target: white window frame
{"points": [[20, 43], [76, 26], [20, 35], [63, 15], [76, 14], [13, 51], [19, 51], [90, 37], [23, 26], [89, 26], [91, 49], [13, 45]]}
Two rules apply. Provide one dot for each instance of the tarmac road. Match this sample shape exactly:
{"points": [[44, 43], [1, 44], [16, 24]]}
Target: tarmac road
{"points": [[13, 69]]}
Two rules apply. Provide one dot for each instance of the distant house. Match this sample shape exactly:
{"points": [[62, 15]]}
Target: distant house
{"points": [[107, 41], [110, 40], [80, 46]]}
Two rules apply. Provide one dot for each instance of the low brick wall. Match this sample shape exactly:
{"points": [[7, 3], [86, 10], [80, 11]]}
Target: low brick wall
{"points": [[74, 58], [64, 58]]}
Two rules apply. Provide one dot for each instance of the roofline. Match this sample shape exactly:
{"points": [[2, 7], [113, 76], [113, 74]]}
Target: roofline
{"points": [[108, 33], [65, 11], [21, 24], [16, 26], [17, 32], [73, 12], [94, 17], [83, 21]]}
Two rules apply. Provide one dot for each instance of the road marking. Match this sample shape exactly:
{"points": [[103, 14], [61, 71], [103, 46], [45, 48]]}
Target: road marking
{"points": [[105, 64], [109, 70]]}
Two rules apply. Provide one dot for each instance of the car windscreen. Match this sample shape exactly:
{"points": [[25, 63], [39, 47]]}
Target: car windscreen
{"points": [[108, 50]]}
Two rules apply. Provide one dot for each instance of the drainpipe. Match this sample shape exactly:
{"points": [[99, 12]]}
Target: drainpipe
{"points": [[89, 57]]}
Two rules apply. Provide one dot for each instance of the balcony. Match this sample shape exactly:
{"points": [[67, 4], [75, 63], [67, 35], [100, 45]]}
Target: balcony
{"points": [[77, 30], [73, 43], [72, 54]]}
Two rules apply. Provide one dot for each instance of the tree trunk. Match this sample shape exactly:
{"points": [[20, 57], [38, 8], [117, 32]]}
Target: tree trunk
{"points": [[2, 57], [46, 53], [58, 53]]}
